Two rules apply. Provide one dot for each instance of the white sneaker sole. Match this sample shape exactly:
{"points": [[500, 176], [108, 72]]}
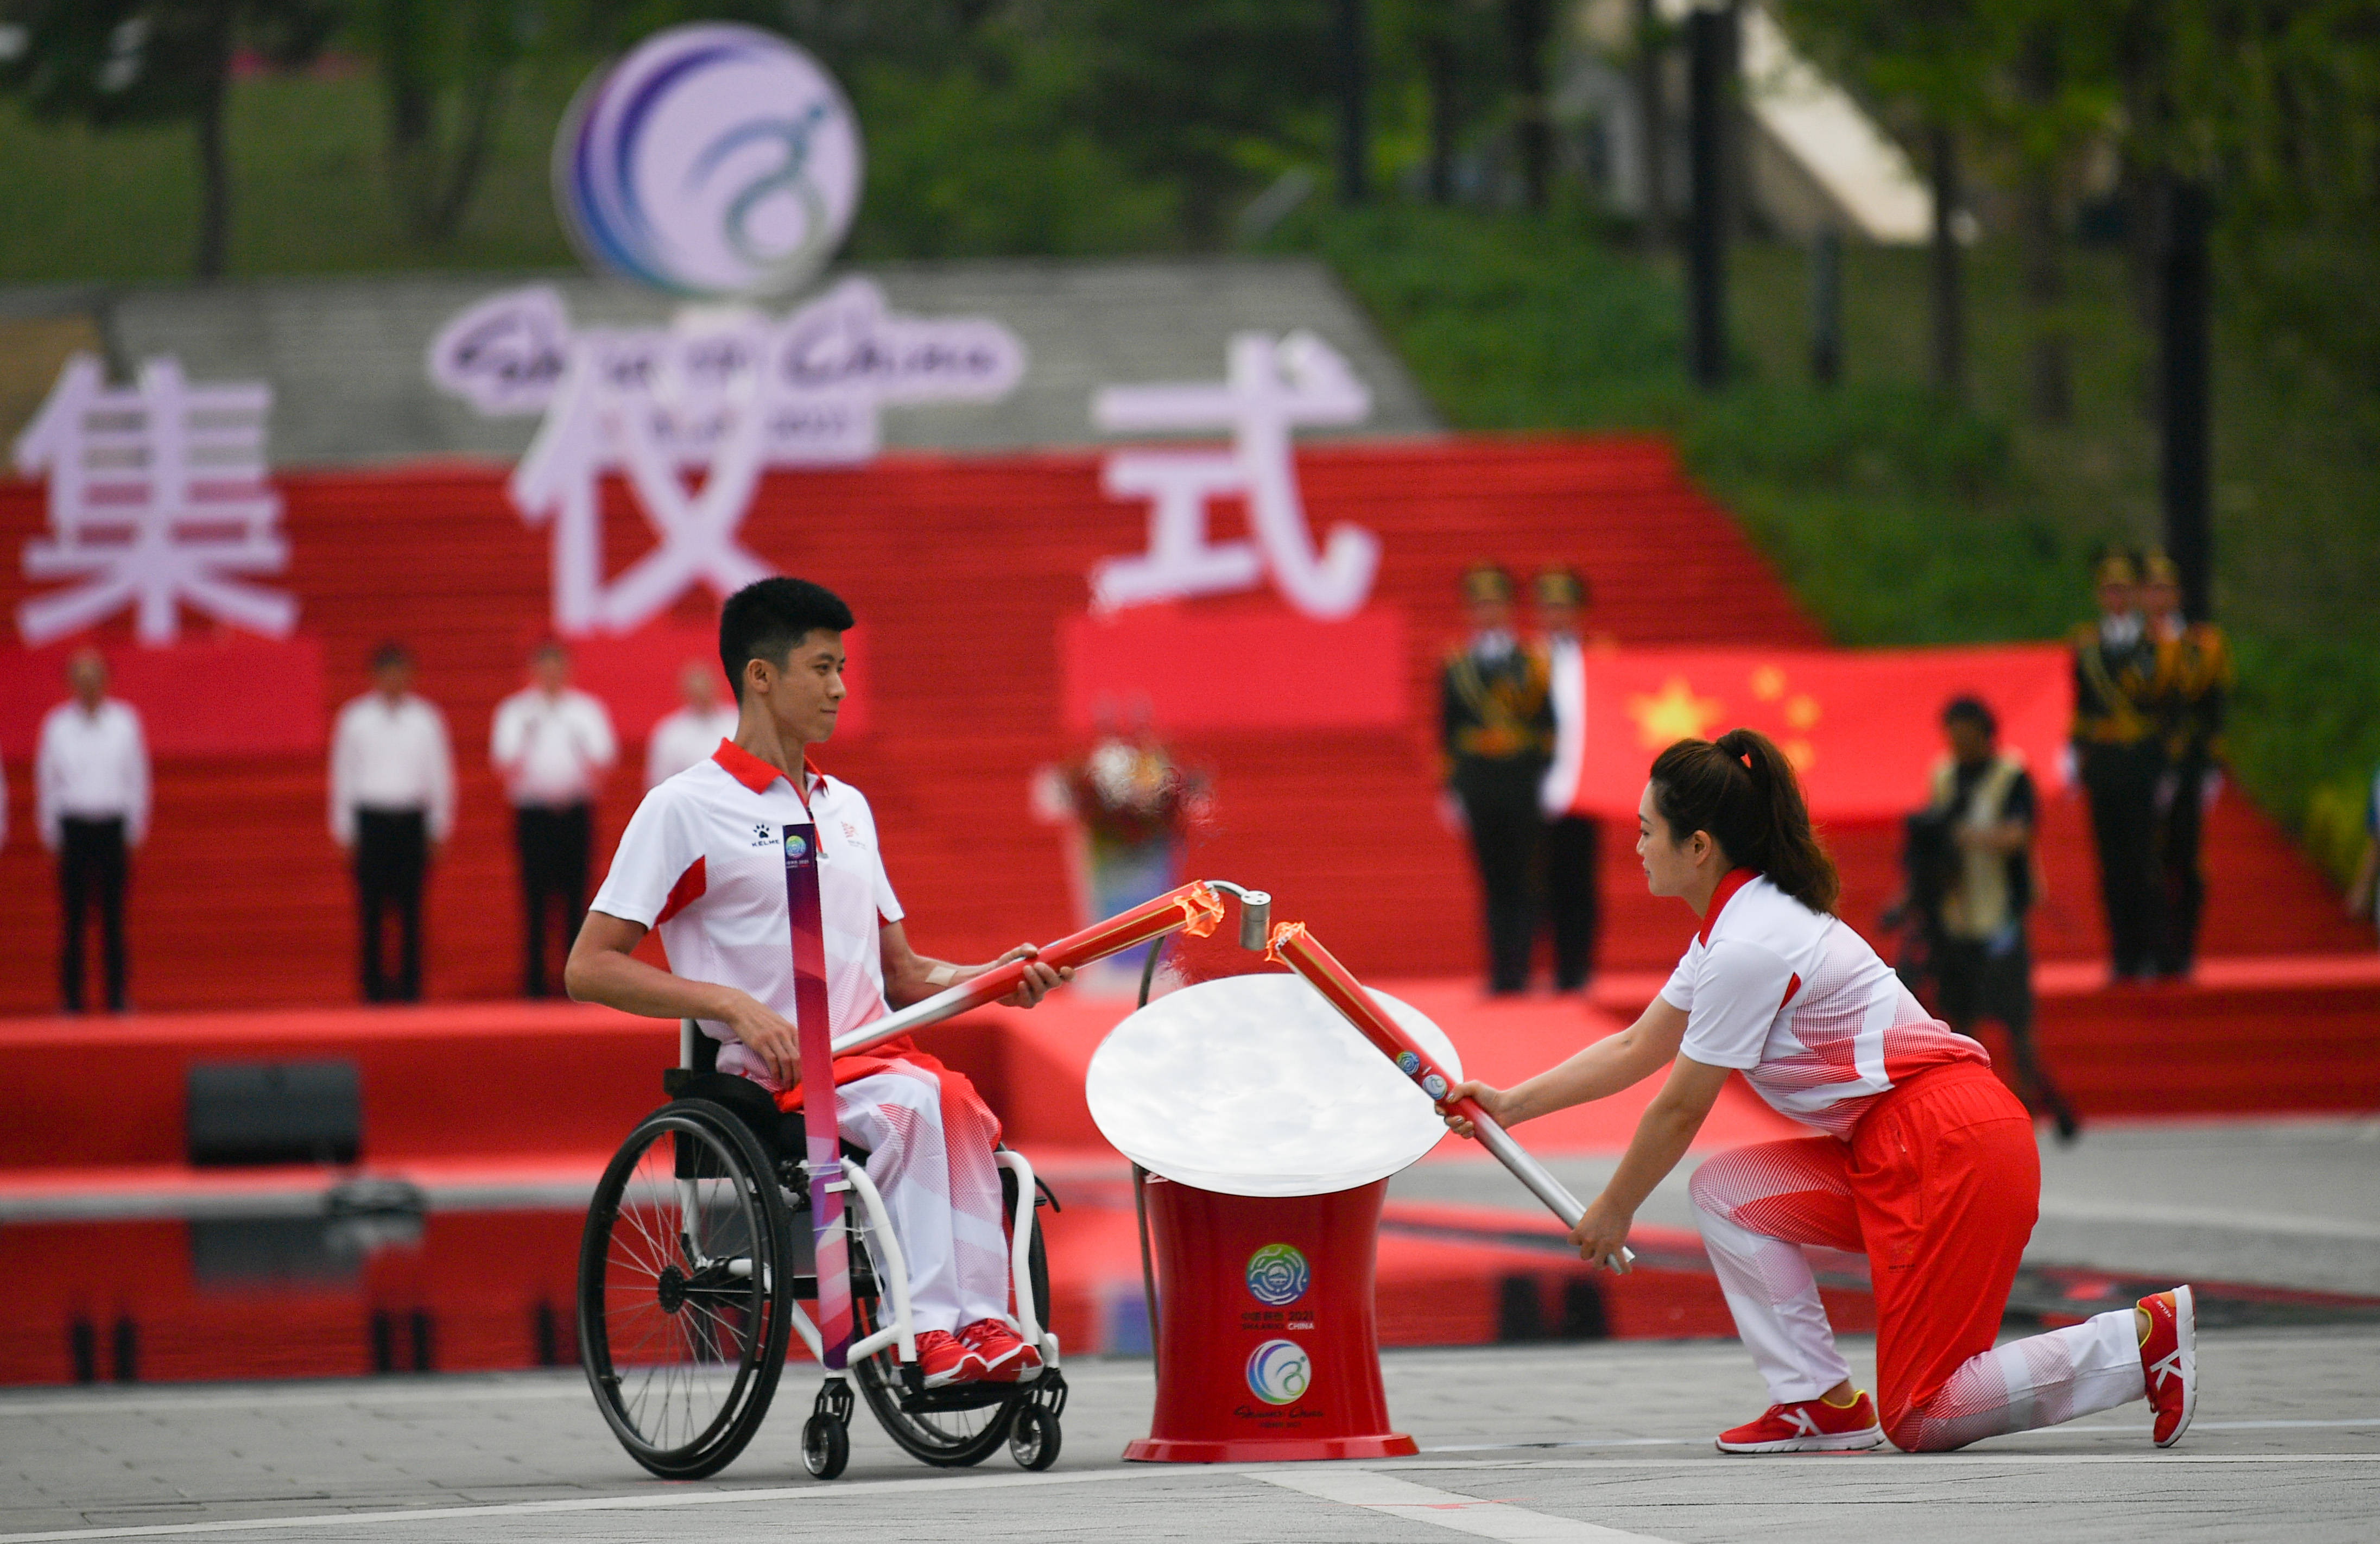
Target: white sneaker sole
{"points": [[1831, 1441], [2185, 1334]]}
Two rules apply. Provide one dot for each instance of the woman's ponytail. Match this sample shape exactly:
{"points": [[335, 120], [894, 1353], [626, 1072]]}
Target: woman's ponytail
{"points": [[1742, 790]]}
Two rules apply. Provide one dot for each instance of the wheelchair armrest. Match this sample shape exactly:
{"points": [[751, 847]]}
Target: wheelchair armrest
{"points": [[752, 1104]]}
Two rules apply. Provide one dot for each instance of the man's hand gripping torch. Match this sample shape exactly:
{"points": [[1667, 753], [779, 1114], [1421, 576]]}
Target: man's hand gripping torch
{"points": [[1196, 908]]}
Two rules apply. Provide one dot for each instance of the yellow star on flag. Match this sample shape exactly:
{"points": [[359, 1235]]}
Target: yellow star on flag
{"points": [[1672, 713]]}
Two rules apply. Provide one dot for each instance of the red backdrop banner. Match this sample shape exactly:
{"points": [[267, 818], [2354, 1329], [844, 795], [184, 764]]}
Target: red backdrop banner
{"points": [[1863, 729]]}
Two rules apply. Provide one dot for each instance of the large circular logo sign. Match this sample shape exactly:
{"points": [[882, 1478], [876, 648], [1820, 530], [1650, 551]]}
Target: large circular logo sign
{"points": [[1279, 1373], [1276, 1275], [715, 160]]}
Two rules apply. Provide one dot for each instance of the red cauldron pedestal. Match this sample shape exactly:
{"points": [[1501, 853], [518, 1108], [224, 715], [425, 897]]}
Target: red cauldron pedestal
{"points": [[1265, 1346], [1268, 1128]]}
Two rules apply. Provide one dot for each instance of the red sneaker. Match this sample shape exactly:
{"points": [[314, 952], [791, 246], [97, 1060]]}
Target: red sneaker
{"points": [[2169, 1362], [1811, 1425], [1006, 1358], [944, 1359]]}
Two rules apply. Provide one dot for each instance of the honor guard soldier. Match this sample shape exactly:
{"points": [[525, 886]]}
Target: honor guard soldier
{"points": [[1497, 736], [2193, 682], [1571, 839], [2120, 757]]}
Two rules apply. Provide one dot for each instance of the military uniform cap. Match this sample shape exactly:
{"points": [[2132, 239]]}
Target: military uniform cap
{"points": [[2157, 568], [1559, 587], [1486, 581], [2116, 568]]}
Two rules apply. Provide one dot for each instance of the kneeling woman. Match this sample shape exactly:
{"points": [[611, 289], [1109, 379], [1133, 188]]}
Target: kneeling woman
{"points": [[1927, 1163]]}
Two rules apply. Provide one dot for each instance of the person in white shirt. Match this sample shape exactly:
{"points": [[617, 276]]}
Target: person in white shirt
{"points": [[1919, 1156], [694, 731], [1570, 841], [552, 746], [704, 860], [90, 799], [392, 806]]}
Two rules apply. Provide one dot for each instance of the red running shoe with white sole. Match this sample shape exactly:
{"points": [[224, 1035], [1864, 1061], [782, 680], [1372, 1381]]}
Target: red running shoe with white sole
{"points": [[1006, 1358], [944, 1359], [1811, 1425], [2169, 1362]]}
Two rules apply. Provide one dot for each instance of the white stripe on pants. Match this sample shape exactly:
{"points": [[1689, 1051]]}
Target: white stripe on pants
{"points": [[941, 1188]]}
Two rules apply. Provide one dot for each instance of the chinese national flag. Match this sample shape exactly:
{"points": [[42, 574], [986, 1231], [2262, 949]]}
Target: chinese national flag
{"points": [[1863, 728]]}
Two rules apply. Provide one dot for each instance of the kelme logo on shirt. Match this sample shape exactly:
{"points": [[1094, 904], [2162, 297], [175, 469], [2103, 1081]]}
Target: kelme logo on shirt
{"points": [[761, 836]]}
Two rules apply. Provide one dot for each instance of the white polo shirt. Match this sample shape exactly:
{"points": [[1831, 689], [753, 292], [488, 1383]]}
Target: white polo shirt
{"points": [[703, 859], [1817, 1023]]}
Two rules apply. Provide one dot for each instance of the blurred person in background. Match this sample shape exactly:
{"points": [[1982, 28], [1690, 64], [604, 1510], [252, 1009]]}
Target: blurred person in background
{"points": [[392, 808], [2193, 684], [2360, 894], [2119, 759], [694, 731], [1972, 879], [1569, 840], [1496, 734], [90, 793], [551, 745]]}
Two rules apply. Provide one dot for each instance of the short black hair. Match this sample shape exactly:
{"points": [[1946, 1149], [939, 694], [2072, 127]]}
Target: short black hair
{"points": [[390, 654], [764, 621], [1971, 710]]}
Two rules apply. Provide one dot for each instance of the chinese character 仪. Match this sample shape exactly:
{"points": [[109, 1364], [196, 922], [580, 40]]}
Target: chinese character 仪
{"points": [[157, 495], [1273, 386]]}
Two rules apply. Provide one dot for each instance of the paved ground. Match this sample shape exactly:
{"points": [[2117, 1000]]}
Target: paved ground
{"points": [[2275, 1203], [1599, 1441]]}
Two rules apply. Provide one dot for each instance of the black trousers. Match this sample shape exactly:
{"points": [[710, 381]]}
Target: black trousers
{"points": [[2180, 880], [1499, 803], [1571, 844], [392, 858], [554, 843], [2121, 782], [1975, 983], [91, 869]]}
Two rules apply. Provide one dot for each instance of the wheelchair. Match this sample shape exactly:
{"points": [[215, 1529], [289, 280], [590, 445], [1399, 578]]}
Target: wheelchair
{"points": [[696, 1266]]}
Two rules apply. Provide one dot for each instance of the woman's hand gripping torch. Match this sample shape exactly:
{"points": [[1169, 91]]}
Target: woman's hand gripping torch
{"points": [[1195, 908], [1296, 948]]}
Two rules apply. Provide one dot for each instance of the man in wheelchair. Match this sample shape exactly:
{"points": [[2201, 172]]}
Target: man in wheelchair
{"points": [[702, 860]]}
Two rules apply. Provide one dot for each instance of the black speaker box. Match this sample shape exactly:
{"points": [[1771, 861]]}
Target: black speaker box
{"points": [[274, 1112]]}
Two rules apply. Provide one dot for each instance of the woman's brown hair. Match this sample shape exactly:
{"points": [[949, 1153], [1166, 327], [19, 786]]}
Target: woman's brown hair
{"points": [[1742, 790]]}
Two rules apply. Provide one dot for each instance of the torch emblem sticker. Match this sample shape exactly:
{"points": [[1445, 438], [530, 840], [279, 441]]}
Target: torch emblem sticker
{"points": [[1279, 1373], [1278, 1275]]}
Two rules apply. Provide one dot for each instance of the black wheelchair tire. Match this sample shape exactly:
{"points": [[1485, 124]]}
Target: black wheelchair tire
{"points": [[1033, 1438], [825, 1447], [748, 1181]]}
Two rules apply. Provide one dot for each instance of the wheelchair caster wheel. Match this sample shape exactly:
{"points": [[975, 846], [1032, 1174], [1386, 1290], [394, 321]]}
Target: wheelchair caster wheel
{"points": [[1033, 1438], [826, 1446]]}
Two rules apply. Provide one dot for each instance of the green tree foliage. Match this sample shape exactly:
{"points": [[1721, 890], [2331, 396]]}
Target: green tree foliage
{"points": [[110, 62], [446, 68]]}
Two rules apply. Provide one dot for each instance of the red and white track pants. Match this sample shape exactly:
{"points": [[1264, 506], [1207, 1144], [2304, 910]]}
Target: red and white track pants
{"points": [[929, 1154], [1938, 1185]]}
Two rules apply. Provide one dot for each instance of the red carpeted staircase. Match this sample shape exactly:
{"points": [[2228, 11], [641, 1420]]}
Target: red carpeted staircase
{"points": [[961, 571]]}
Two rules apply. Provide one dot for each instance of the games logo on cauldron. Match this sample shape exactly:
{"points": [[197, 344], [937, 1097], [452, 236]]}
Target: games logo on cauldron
{"points": [[1278, 1275], [1279, 1373]]}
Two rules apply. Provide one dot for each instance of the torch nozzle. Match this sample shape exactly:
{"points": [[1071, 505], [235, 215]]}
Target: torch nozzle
{"points": [[1255, 915]]}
